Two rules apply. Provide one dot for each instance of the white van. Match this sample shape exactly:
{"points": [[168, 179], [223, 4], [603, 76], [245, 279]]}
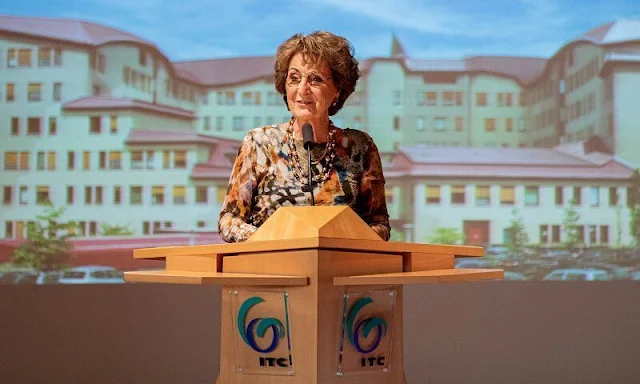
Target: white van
{"points": [[590, 274]]}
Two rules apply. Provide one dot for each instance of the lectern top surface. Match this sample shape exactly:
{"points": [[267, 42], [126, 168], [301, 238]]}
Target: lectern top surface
{"points": [[361, 245]]}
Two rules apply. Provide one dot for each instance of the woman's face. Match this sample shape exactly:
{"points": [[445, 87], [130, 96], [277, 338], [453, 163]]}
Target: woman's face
{"points": [[310, 89]]}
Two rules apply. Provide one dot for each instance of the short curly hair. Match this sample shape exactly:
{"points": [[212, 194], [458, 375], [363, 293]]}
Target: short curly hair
{"points": [[320, 46]]}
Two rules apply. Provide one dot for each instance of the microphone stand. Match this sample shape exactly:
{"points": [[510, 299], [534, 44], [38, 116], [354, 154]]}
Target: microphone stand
{"points": [[313, 201]]}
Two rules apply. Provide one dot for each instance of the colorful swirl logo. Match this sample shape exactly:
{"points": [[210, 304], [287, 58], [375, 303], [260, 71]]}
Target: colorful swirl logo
{"points": [[248, 332], [364, 327]]}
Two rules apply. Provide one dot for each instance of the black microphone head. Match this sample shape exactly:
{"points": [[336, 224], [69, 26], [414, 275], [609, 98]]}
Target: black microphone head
{"points": [[307, 135]]}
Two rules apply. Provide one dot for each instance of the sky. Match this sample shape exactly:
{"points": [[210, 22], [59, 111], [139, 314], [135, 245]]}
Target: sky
{"points": [[428, 29]]}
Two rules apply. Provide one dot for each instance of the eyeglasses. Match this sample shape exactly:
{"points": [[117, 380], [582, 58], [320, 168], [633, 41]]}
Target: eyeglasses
{"points": [[314, 80]]}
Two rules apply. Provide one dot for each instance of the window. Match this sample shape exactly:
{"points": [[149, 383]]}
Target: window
{"points": [[7, 196], [88, 194], [180, 160], [613, 196], [70, 194], [179, 194], [11, 92], [604, 234], [531, 195], [396, 123], [24, 161], [206, 123], [113, 124], [42, 195], [201, 194], [459, 123], [577, 195], [86, 160], [8, 229], [135, 195], [431, 98], [33, 126], [24, 198], [15, 126], [95, 124], [34, 92], [166, 159], [458, 98], [221, 194], [448, 98], [389, 195], [229, 98], [481, 99], [433, 194], [489, 125], [12, 60], [457, 194], [99, 195], [40, 161], [117, 195], [238, 123], [560, 196], [593, 234], [53, 126], [544, 234], [507, 195], [555, 234], [44, 57], [440, 124], [142, 57], [51, 161], [150, 159], [157, 194], [594, 196], [483, 196], [102, 160], [24, 57], [137, 160], [71, 160], [115, 160], [420, 124], [10, 161], [57, 91], [508, 99], [509, 124], [219, 123]]}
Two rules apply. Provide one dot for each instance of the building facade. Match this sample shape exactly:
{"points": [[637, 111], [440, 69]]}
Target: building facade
{"points": [[103, 123]]}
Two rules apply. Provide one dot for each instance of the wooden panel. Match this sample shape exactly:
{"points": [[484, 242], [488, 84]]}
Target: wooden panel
{"points": [[427, 261], [338, 263], [303, 317], [371, 246], [202, 278], [314, 221], [423, 277], [194, 263]]}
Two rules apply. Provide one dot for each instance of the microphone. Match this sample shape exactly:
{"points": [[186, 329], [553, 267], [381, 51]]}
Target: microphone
{"points": [[307, 135], [307, 139]]}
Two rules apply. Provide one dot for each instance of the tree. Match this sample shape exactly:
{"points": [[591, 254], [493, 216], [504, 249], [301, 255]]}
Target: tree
{"points": [[115, 230], [518, 236], [570, 223], [396, 235], [45, 249], [446, 235], [634, 209]]}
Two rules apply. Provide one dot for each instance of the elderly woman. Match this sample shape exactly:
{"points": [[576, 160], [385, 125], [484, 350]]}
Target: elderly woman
{"points": [[315, 74]]}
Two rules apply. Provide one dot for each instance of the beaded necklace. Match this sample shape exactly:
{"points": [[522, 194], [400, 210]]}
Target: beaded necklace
{"points": [[326, 161]]}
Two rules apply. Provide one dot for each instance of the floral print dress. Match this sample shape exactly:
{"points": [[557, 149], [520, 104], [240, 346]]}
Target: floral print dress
{"points": [[264, 178]]}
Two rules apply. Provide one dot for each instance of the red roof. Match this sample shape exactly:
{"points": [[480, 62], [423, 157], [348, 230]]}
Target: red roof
{"points": [[229, 71], [210, 171], [148, 136], [93, 103], [496, 163], [523, 69]]}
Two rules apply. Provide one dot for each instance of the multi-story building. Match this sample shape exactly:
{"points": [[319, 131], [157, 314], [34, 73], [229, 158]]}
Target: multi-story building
{"points": [[102, 122]]}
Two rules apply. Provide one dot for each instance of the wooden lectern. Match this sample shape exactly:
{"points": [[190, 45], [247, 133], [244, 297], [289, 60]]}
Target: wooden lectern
{"points": [[314, 296]]}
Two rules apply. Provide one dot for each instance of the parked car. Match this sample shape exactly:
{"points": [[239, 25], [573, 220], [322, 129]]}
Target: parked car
{"points": [[590, 274], [27, 276], [92, 274], [508, 275], [473, 262]]}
